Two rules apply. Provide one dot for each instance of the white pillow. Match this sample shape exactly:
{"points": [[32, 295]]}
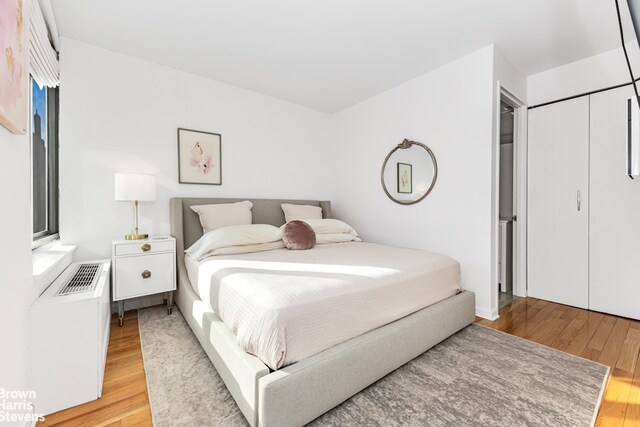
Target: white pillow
{"points": [[329, 230], [322, 239], [301, 212], [244, 249], [235, 235], [223, 214], [330, 226]]}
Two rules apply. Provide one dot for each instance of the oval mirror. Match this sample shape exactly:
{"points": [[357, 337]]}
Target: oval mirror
{"points": [[409, 172]]}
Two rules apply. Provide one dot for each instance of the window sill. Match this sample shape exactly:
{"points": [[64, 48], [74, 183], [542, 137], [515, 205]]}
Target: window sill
{"points": [[49, 261], [44, 241]]}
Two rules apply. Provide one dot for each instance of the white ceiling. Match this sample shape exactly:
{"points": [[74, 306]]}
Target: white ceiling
{"points": [[330, 54]]}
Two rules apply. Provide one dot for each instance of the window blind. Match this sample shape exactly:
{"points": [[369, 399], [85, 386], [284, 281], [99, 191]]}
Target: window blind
{"points": [[43, 57]]}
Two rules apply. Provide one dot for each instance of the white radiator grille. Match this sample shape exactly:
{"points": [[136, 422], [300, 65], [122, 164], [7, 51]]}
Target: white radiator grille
{"points": [[83, 280]]}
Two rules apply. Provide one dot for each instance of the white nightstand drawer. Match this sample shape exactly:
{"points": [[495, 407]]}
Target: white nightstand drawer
{"points": [[143, 275], [143, 247]]}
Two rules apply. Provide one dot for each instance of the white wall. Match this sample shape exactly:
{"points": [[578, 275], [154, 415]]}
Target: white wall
{"points": [[119, 113], [450, 110], [16, 285], [596, 72], [510, 77]]}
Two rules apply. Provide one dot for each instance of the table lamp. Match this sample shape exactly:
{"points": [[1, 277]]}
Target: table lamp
{"points": [[135, 187]]}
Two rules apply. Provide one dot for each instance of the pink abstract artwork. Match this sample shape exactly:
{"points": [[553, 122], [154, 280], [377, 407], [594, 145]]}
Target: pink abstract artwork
{"points": [[199, 157], [14, 66]]}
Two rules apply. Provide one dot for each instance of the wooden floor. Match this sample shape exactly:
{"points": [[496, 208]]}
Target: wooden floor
{"points": [[610, 340], [124, 399]]}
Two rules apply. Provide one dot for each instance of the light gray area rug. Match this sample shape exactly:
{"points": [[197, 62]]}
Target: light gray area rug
{"points": [[478, 376]]}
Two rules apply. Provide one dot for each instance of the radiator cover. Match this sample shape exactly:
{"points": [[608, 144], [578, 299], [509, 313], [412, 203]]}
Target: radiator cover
{"points": [[69, 340]]}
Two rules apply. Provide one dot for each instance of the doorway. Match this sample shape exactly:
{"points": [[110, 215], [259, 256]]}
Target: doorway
{"points": [[506, 211], [510, 199]]}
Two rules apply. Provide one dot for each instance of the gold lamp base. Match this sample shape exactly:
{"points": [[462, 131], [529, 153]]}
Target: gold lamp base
{"points": [[136, 236]]}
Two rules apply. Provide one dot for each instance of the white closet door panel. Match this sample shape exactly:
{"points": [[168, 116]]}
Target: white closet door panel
{"points": [[614, 282], [558, 203]]}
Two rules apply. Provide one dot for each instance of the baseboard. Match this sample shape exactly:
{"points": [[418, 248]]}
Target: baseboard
{"points": [[486, 314]]}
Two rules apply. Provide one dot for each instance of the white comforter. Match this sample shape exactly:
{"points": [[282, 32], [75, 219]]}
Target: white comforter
{"points": [[284, 306]]}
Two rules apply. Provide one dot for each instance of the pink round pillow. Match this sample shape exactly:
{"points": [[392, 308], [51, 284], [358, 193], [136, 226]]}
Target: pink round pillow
{"points": [[298, 235]]}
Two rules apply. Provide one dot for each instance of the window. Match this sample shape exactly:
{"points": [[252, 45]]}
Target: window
{"points": [[44, 162]]}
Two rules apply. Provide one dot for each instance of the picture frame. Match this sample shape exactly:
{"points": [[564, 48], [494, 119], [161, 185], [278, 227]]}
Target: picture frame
{"points": [[199, 157], [14, 67], [405, 178]]}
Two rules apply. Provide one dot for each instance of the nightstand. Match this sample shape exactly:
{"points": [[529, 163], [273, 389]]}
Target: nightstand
{"points": [[143, 267]]}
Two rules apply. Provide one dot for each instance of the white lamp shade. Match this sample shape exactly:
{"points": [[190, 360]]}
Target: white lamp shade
{"points": [[135, 186]]}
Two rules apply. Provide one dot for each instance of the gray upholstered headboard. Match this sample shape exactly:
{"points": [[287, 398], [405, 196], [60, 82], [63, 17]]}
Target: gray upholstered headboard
{"points": [[186, 228]]}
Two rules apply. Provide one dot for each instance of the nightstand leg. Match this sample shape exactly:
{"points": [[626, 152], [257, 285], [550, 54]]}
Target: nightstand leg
{"points": [[164, 299], [121, 313], [170, 303]]}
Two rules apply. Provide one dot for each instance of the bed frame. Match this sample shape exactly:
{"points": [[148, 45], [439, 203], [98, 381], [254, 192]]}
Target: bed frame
{"points": [[299, 393]]}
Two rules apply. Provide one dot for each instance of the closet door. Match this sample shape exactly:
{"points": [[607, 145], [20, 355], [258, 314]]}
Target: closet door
{"points": [[614, 262], [558, 203]]}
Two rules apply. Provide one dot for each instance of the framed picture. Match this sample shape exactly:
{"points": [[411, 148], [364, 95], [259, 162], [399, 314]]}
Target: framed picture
{"points": [[199, 157], [405, 184], [14, 66]]}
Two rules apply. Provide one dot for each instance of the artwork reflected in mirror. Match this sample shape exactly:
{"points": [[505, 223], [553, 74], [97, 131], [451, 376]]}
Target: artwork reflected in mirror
{"points": [[404, 178], [409, 172]]}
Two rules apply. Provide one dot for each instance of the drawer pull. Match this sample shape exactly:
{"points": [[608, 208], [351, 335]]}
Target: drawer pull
{"points": [[146, 247], [146, 274]]}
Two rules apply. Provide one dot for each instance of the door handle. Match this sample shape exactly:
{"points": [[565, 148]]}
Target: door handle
{"points": [[578, 200], [146, 274], [146, 247]]}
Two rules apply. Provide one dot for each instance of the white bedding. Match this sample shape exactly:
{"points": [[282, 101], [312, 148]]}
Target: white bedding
{"points": [[284, 306]]}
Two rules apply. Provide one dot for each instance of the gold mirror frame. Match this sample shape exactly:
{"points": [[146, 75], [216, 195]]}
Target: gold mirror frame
{"points": [[403, 146]]}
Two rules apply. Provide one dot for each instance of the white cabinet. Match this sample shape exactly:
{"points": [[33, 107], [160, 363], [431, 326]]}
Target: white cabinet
{"points": [[143, 267], [614, 246], [558, 202]]}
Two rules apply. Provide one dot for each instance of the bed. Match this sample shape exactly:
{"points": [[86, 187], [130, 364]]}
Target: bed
{"points": [[299, 378]]}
